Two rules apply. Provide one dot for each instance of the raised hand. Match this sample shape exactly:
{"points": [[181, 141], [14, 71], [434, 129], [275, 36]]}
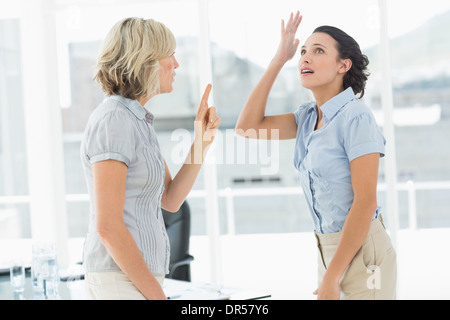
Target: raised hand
{"points": [[206, 124], [288, 43]]}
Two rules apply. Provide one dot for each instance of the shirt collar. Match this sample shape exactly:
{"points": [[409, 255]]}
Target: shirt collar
{"points": [[136, 108], [332, 106]]}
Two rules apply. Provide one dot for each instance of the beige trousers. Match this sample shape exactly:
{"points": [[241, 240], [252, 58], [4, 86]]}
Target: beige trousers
{"points": [[372, 274], [113, 285]]}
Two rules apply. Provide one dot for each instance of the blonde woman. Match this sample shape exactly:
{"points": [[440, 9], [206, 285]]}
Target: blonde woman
{"points": [[126, 251]]}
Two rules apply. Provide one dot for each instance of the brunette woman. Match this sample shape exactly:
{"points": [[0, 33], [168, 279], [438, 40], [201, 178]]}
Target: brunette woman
{"points": [[337, 153]]}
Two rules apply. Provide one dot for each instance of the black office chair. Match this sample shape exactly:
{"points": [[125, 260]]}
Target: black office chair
{"points": [[178, 225]]}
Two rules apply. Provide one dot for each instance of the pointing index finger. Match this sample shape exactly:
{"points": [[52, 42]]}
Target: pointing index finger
{"points": [[206, 94], [205, 97]]}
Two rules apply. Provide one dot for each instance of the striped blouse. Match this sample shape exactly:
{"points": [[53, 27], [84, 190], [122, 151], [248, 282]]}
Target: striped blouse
{"points": [[121, 129]]}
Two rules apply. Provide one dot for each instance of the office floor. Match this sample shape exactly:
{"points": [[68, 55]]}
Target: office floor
{"points": [[285, 264]]}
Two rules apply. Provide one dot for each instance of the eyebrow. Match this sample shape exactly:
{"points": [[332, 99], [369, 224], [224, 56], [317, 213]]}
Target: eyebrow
{"points": [[315, 45]]}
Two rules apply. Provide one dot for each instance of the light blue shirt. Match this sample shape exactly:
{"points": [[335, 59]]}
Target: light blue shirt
{"points": [[323, 157], [121, 129]]}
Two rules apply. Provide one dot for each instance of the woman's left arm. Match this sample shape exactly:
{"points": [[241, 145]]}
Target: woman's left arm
{"points": [[364, 177], [206, 124]]}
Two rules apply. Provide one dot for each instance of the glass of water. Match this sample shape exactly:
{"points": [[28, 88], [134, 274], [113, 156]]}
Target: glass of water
{"points": [[44, 271], [17, 276]]}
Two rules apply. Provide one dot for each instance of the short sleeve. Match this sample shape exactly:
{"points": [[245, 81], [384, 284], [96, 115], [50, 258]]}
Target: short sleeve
{"points": [[111, 137], [363, 136], [302, 113]]}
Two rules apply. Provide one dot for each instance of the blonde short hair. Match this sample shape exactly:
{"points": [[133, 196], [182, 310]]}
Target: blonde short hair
{"points": [[128, 63]]}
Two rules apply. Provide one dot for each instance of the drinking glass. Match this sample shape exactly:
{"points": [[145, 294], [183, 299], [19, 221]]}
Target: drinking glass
{"points": [[44, 270], [17, 275]]}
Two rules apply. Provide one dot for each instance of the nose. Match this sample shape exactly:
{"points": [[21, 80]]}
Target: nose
{"points": [[305, 59], [175, 63]]}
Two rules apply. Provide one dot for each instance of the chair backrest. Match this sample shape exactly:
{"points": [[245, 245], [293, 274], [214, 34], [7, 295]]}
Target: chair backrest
{"points": [[178, 225]]}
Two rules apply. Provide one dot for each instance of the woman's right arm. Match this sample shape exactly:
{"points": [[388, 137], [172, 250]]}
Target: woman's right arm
{"points": [[109, 191], [252, 117]]}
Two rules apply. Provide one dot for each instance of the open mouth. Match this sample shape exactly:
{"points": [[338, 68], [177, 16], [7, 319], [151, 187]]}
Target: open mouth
{"points": [[307, 71]]}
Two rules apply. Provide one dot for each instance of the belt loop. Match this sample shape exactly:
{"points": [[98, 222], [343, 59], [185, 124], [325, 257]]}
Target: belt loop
{"points": [[319, 247], [380, 217], [317, 239]]}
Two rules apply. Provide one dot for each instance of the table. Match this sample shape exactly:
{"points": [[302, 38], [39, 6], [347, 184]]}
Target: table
{"points": [[183, 290], [73, 289], [68, 290]]}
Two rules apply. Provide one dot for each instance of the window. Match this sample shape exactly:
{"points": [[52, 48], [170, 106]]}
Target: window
{"points": [[14, 210], [241, 52], [80, 37], [421, 83]]}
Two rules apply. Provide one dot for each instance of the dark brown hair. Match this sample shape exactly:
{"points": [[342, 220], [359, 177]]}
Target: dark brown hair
{"points": [[348, 48]]}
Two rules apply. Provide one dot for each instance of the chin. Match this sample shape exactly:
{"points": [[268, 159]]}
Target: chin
{"points": [[167, 90], [305, 85]]}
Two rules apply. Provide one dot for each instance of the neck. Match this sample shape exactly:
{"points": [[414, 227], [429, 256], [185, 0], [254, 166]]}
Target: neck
{"points": [[322, 95], [144, 99]]}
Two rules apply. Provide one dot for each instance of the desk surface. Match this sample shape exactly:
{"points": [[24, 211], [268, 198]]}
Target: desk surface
{"points": [[174, 289], [182, 290]]}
